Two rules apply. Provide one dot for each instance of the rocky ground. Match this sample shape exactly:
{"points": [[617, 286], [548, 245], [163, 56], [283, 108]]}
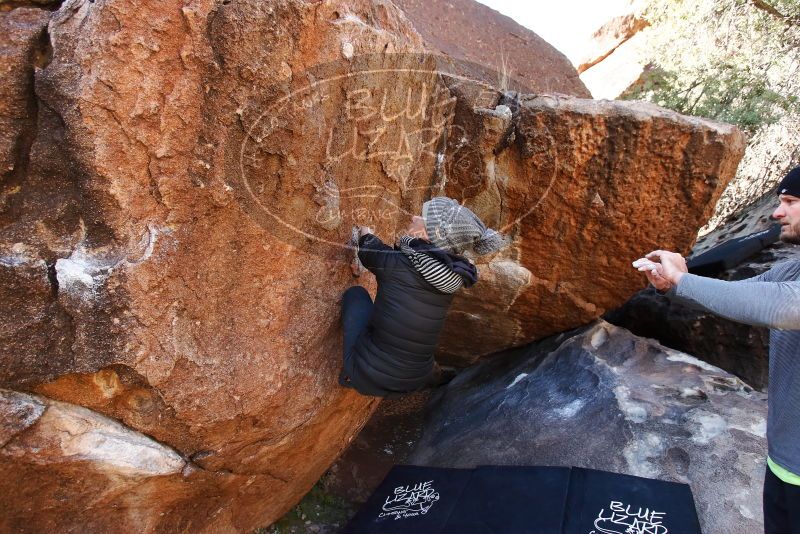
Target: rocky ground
{"points": [[597, 397], [386, 440]]}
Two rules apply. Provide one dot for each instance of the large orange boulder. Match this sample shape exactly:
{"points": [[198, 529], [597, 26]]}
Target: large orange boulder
{"points": [[492, 47], [135, 286], [180, 177], [584, 187]]}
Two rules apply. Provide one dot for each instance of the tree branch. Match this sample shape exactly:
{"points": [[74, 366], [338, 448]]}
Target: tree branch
{"points": [[769, 8]]}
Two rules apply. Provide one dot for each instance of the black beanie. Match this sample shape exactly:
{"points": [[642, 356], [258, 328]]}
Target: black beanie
{"points": [[790, 185]]}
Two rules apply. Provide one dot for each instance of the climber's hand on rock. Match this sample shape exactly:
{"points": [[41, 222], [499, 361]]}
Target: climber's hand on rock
{"points": [[364, 230]]}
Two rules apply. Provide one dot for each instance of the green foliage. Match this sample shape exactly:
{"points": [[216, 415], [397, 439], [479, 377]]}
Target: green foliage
{"points": [[736, 61], [318, 511]]}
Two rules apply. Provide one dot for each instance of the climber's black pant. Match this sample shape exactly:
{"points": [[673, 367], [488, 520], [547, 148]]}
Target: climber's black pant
{"points": [[781, 506], [356, 312]]}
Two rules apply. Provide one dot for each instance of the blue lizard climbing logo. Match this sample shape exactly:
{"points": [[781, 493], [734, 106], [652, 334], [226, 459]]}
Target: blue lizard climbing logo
{"points": [[410, 500]]}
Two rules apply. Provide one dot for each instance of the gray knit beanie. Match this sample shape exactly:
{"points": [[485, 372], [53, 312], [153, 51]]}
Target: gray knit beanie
{"points": [[453, 227]]}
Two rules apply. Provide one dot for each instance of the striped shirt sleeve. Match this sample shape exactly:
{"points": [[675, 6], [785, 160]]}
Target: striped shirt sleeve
{"points": [[433, 271]]}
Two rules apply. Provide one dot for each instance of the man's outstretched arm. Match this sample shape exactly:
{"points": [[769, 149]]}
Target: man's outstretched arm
{"points": [[757, 301], [770, 304]]}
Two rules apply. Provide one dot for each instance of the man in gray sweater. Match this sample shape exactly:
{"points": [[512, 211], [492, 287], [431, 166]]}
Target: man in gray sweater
{"points": [[771, 299]]}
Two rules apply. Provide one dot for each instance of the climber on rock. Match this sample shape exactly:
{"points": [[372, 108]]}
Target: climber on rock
{"points": [[389, 344], [772, 300]]}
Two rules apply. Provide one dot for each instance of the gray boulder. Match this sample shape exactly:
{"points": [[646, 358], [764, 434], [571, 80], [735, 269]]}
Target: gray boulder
{"points": [[602, 398], [740, 349]]}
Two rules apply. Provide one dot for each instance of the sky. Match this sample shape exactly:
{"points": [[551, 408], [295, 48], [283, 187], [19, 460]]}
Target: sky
{"points": [[565, 24]]}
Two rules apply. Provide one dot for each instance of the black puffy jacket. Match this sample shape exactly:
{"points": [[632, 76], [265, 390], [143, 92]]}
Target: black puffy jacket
{"points": [[395, 352]]}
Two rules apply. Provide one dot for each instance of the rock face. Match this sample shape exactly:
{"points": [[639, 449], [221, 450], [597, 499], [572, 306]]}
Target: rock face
{"points": [[21, 47], [755, 217], [612, 61], [179, 179], [571, 181], [605, 399], [129, 469], [513, 57], [134, 284], [608, 38], [738, 348], [771, 153]]}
